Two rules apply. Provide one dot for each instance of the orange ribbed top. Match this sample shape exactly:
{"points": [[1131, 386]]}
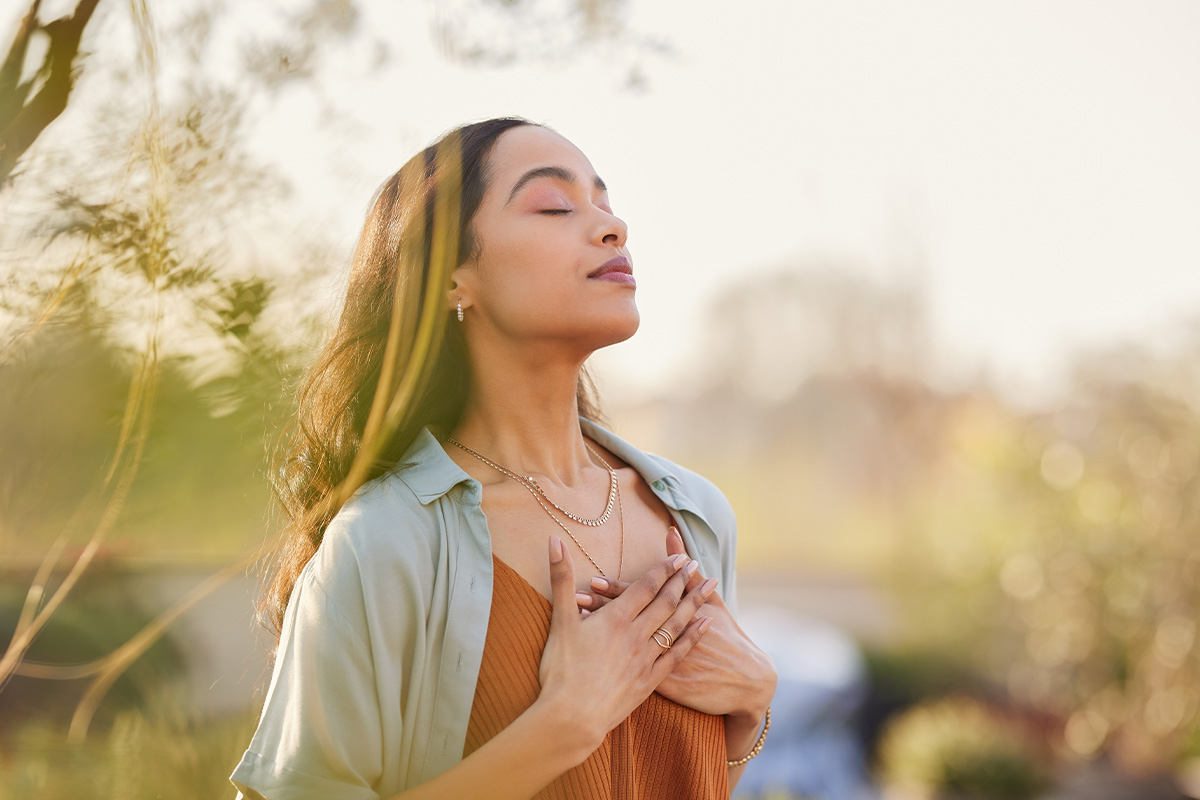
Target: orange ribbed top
{"points": [[663, 750]]}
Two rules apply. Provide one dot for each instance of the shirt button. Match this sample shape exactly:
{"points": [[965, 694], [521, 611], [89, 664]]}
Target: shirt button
{"points": [[658, 485]]}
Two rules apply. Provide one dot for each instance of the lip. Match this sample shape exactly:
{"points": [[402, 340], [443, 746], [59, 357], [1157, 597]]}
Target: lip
{"points": [[618, 270]]}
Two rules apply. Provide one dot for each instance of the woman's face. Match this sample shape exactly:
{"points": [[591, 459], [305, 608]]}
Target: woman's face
{"points": [[551, 265]]}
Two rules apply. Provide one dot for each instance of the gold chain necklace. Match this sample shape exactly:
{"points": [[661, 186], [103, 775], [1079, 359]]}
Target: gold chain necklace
{"points": [[613, 490], [529, 483], [538, 495]]}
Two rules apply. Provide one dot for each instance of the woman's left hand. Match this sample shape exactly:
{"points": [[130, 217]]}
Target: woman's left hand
{"points": [[725, 673]]}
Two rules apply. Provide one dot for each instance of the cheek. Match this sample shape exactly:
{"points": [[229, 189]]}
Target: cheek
{"points": [[532, 299], [531, 266]]}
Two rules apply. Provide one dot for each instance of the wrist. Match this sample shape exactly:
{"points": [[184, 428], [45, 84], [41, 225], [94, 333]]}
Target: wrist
{"points": [[752, 750], [741, 731], [744, 725], [756, 702], [572, 739], [744, 722]]}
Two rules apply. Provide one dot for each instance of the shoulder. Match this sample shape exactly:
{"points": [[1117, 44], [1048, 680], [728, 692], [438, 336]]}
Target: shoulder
{"points": [[383, 513], [383, 539], [708, 498], [394, 534], [378, 510], [405, 513]]}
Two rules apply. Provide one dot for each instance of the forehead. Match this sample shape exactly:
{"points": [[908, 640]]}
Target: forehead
{"points": [[529, 147]]}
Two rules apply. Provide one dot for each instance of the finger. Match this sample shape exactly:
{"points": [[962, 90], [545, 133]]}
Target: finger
{"points": [[562, 584], [675, 541], [675, 546], [609, 588], [668, 599], [670, 658], [675, 625], [644, 590], [591, 602]]}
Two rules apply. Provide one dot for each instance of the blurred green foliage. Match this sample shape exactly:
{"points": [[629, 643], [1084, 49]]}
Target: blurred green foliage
{"points": [[151, 753], [1049, 549], [1062, 548], [958, 747], [201, 489], [99, 615]]}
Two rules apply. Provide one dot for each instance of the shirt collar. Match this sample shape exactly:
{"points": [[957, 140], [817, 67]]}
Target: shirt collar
{"points": [[650, 468], [428, 471]]}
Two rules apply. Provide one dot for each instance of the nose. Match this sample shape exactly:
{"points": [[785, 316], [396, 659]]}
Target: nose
{"points": [[611, 229]]}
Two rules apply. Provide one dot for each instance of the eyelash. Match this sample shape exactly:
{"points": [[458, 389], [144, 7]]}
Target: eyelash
{"points": [[555, 211]]}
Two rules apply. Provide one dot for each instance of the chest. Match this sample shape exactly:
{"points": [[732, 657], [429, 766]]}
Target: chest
{"points": [[662, 750], [633, 538]]}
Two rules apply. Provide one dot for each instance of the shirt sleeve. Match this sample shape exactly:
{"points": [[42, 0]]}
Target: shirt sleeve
{"points": [[320, 734]]}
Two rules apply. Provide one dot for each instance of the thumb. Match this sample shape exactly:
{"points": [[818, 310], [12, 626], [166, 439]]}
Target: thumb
{"points": [[562, 584], [675, 547]]}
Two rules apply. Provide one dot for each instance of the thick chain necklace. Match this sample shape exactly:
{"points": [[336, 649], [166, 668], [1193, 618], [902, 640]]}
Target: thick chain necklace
{"points": [[529, 483]]}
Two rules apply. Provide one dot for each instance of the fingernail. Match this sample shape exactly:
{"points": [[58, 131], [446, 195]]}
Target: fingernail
{"points": [[677, 560], [583, 599], [556, 550], [704, 625], [707, 587], [599, 584], [583, 612], [691, 568]]}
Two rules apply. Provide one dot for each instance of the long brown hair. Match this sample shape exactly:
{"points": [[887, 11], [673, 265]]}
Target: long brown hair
{"points": [[395, 364]]}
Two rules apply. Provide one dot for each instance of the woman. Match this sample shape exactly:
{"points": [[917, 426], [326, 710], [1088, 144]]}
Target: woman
{"points": [[466, 625]]}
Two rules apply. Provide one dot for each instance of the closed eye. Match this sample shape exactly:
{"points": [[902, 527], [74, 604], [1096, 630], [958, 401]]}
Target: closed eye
{"points": [[555, 211]]}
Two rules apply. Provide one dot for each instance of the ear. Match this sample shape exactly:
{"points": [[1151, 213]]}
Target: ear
{"points": [[461, 288]]}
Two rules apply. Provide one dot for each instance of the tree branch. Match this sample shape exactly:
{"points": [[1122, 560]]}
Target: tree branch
{"points": [[19, 130]]}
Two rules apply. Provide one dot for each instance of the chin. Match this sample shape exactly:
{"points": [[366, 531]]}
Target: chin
{"points": [[624, 328], [611, 330]]}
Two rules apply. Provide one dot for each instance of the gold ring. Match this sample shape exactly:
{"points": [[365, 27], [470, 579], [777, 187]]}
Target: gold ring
{"points": [[664, 636]]}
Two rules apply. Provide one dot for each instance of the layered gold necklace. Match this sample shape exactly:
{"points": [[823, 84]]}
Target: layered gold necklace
{"points": [[614, 496]]}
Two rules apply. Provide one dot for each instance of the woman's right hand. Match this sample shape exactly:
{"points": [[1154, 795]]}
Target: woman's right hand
{"points": [[596, 669]]}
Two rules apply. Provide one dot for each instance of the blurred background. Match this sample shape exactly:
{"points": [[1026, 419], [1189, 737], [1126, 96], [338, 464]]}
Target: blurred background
{"points": [[920, 289]]}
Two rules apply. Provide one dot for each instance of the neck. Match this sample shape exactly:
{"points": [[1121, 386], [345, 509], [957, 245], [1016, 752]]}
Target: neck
{"points": [[522, 412]]}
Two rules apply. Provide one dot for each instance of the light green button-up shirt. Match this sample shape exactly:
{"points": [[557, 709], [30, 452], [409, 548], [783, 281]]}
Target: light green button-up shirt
{"points": [[383, 636]]}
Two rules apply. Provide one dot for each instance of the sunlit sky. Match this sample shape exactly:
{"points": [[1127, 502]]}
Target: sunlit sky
{"points": [[1033, 166], [1041, 158]]}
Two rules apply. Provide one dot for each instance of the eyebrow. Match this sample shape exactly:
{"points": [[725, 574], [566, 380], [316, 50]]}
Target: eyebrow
{"points": [[557, 173]]}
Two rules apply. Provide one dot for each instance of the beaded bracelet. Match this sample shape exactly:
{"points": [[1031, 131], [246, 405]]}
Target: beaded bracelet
{"points": [[758, 746]]}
